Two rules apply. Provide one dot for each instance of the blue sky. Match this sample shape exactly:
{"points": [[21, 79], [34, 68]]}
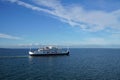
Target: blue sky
{"points": [[80, 23]]}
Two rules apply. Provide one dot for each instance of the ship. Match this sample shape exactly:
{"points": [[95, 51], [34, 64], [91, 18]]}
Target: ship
{"points": [[49, 51]]}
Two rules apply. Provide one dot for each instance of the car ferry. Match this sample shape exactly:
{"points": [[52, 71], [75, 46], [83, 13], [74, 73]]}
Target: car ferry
{"points": [[49, 51]]}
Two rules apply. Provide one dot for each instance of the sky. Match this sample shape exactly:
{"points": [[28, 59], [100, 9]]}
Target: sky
{"points": [[75, 23]]}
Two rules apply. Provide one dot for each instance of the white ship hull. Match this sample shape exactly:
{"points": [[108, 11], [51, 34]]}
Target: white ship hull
{"points": [[47, 54]]}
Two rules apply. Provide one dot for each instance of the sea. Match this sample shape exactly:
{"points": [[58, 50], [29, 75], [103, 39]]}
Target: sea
{"points": [[81, 64]]}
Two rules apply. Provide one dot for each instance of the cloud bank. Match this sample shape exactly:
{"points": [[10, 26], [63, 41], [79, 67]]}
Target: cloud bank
{"points": [[76, 15], [9, 36]]}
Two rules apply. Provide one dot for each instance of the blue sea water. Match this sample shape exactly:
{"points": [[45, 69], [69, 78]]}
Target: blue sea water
{"points": [[81, 64]]}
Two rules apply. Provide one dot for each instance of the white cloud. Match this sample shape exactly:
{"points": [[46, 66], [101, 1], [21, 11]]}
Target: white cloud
{"points": [[115, 35], [76, 15], [27, 5], [9, 36], [108, 40], [29, 44], [95, 40], [86, 20]]}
